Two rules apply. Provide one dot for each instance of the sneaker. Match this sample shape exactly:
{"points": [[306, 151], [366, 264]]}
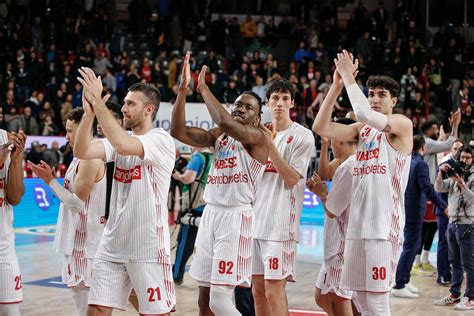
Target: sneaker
{"points": [[411, 288], [465, 304], [404, 293], [428, 267], [443, 281], [448, 300], [417, 270]]}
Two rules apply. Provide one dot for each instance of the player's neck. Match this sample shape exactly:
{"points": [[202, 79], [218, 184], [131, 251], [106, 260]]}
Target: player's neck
{"points": [[281, 124], [143, 128]]}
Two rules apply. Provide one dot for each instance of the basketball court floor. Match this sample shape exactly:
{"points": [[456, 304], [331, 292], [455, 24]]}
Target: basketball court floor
{"points": [[44, 294]]}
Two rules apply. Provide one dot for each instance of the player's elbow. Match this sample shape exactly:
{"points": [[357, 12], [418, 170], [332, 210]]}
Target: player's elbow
{"points": [[361, 116], [16, 199]]}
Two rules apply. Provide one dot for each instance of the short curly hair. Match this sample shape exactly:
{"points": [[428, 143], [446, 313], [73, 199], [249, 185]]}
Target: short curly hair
{"points": [[384, 82], [281, 85], [75, 115]]}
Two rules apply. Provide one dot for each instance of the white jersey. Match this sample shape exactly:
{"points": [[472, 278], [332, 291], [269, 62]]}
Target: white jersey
{"points": [[380, 177], [338, 203], [137, 228], [79, 234], [278, 207], [7, 237], [234, 174]]}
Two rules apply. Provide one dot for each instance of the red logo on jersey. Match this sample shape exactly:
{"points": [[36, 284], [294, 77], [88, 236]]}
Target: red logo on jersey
{"points": [[269, 167], [229, 162], [223, 142], [102, 220], [372, 169], [379, 136], [66, 184], [2, 202], [290, 139], [367, 154], [2, 183], [365, 132], [126, 176], [233, 178]]}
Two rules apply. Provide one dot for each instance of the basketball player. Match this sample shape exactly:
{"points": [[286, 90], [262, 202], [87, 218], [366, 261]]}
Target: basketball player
{"points": [[11, 192], [329, 295], [223, 258], [380, 175], [135, 248], [81, 214], [279, 202]]}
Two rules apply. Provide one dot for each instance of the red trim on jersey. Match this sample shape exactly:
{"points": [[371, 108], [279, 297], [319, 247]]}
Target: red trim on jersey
{"points": [[8, 303], [226, 284], [111, 307]]}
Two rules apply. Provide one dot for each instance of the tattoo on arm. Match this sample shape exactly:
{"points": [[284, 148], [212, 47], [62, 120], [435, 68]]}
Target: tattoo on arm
{"points": [[387, 128]]}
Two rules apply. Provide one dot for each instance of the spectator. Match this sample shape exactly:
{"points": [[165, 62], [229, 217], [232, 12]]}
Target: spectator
{"points": [[26, 122], [460, 232], [66, 107], [408, 90], [35, 155], [52, 156], [259, 88], [48, 127], [248, 30]]}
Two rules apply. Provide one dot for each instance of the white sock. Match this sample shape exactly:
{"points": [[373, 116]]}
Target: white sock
{"points": [[80, 295], [221, 301], [10, 309], [417, 260], [424, 256]]}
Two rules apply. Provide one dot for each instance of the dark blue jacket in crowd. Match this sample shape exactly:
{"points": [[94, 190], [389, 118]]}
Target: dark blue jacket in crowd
{"points": [[419, 188], [444, 196]]}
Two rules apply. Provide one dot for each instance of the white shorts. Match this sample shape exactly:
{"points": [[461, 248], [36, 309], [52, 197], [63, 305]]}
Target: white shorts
{"points": [[275, 260], [76, 270], [153, 284], [329, 279], [224, 247], [10, 280], [369, 265]]}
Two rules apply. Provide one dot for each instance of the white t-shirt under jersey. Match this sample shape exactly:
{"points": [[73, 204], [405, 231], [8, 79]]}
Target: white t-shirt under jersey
{"points": [[234, 175], [338, 202], [380, 176], [79, 234], [137, 228], [278, 207], [7, 237]]}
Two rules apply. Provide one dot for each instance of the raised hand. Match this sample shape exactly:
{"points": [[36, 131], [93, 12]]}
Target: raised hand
{"points": [[43, 171], [268, 132], [18, 141], [201, 79], [185, 72], [345, 64], [91, 83]]}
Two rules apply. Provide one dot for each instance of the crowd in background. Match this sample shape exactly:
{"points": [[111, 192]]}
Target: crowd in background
{"points": [[43, 43]]}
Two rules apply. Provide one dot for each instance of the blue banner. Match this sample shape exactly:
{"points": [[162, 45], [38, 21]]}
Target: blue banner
{"points": [[38, 207]]}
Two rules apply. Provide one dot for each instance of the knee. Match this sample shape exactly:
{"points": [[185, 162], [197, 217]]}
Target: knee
{"points": [[275, 292], [258, 291], [321, 300]]}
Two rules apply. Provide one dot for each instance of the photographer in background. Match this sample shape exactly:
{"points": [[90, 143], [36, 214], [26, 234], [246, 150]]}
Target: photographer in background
{"points": [[460, 233], [192, 206]]}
